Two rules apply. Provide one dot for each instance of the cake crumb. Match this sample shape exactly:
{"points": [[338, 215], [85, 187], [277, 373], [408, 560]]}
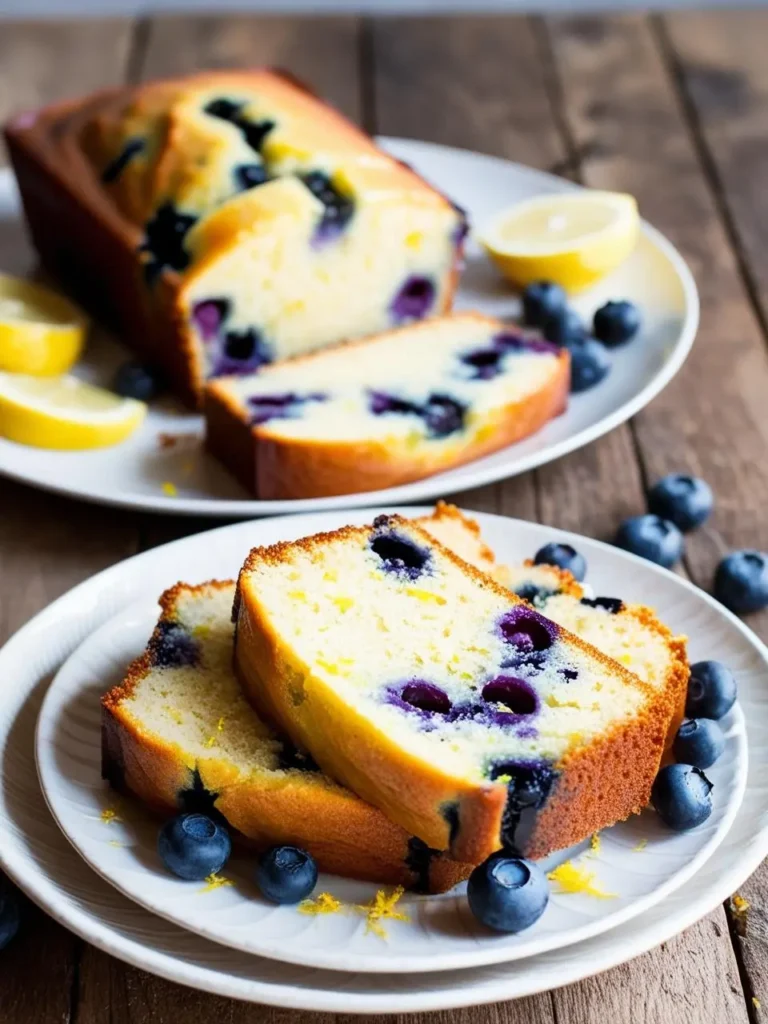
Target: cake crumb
{"points": [[169, 440], [739, 909], [756, 1002], [170, 489], [109, 814], [639, 847], [116, 842], [381, 908], [574, 879], [214, 881], [594, 844], [325, 903]]}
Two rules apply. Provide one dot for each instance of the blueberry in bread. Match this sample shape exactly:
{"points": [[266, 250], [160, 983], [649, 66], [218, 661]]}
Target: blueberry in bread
{"points": [[631, 634], [178, 734], [437, 695], [385, 410], [230, 219]]}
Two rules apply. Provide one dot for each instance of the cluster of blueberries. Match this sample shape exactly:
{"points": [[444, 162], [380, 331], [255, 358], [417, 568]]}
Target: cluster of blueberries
{"points": [[545, 306], [679, 503]]}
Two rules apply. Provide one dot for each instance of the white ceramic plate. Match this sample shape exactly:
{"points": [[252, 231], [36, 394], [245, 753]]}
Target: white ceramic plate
{"points": [[441, 934], [655, 277], [35, 853]]}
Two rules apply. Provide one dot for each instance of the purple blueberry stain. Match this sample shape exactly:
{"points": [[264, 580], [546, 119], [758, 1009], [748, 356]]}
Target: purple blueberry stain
{"points": [[517, 698], [529, 786], [208, 317], [526, 630], [441, 414], [171, 646], [420, 698], [399, 554], [569, 674], [382, 404], [516, 341], [414, 300], [338, 208], [286, 406], [240, 352]]}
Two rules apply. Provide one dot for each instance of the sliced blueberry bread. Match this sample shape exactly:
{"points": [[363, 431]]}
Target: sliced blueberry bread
{"points": [[440, 697], [230, 219], [631, 634], [385, 410], [178, 734]]}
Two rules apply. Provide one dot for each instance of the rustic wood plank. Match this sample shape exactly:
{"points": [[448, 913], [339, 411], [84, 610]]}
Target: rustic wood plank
{"points": [[719, 64], [323, 52], [49, 544], [622, 110], [42, 61]]}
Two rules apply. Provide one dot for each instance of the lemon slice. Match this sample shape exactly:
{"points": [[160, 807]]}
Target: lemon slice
{"points": [[64, 413], [40, 332], [573, 239]]}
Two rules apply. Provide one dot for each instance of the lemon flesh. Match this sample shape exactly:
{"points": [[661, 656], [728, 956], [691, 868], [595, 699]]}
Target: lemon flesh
{"points": [[64, 413], [573, 239], [41, 333]]}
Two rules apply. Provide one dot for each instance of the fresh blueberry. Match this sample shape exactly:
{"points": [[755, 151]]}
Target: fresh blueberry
{"points": [[193, 846], [653, 538], [164, 240], [286, 874], [682, 796], [250, 176], [540, 300], [590, 364], [506, 893], [685, 500], [699, 742], [133, 380], [9, 911], [339, 208], [711, 690], [741, 581], [564, 557], [616, 322], [563, 327], [426, 697]]}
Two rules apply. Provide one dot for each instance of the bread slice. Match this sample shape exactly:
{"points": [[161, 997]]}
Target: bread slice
{"points": [[437, 695], [631, 634], [385, 410], [178, 734]]}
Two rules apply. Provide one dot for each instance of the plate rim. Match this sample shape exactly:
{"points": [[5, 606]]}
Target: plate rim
{"points": [[430, 487], [484, 955], [95, 928]]}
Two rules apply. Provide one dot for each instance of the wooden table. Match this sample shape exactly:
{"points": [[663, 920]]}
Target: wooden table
{"points": [[673, 109]]}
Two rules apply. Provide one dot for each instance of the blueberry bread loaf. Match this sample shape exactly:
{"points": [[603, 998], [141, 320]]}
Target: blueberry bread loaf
{"points": [[385, 410], [631, 634], [231, 219], [178, 734], [437, 695]]}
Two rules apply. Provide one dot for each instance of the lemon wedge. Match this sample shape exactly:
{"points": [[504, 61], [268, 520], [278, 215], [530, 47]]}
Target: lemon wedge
{"points": [[40, 332], [64, 413], [573, 238]]}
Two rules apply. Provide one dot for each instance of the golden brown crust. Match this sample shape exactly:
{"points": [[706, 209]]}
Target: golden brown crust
{"points": [[65, 200], [275, 468], [344, 835], [421, 797]]}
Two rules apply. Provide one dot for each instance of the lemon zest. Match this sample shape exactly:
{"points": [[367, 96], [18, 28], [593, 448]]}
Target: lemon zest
{"points": [[553, 702], [574, 879], [170, 489], [297, 595], [424, 595], [382, 907], [325, 903], [214, 881], [595, 843], [109, 814], [639, 847], [116, 842], [343, 603]]}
